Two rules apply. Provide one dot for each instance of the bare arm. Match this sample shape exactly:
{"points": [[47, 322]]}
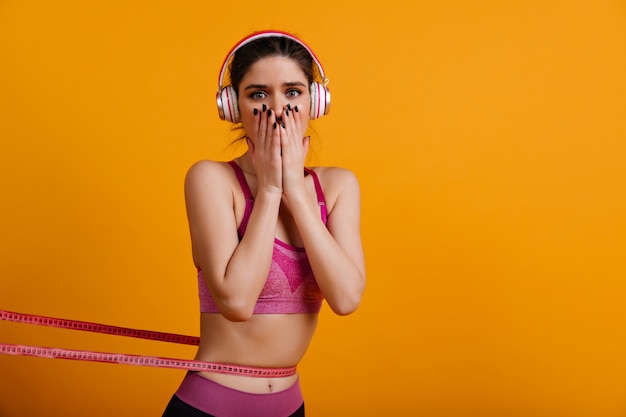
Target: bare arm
{"points": [[235, 271], [335, 252]]}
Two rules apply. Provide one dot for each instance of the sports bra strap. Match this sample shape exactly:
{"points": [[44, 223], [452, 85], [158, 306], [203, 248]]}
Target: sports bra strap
{"points": [[247, 194], [321, 200]]}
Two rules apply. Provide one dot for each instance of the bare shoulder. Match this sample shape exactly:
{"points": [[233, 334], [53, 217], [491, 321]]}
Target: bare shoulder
{"points": [[338, 183], [208, 170], [336, 177], [206, 177], [207, 167]]}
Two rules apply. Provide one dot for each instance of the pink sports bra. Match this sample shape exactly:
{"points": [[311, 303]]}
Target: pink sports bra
{"points": [[290, 287]]}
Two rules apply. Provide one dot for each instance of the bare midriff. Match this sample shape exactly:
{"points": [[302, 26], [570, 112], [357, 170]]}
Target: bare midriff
{"points": [[266, 340]]}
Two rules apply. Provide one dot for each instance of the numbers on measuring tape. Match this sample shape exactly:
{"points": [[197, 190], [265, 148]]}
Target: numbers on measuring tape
{"points": [[139, 360], [126, 359], [98, 328]]}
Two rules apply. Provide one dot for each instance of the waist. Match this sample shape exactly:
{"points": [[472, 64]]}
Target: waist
{"points": [[268, 341]]}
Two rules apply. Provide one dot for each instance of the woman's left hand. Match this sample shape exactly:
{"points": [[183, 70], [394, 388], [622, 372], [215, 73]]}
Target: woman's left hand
{"points": [[294, 149]]}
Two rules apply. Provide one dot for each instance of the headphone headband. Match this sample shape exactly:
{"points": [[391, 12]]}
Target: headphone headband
{"points": [[267, 34]]}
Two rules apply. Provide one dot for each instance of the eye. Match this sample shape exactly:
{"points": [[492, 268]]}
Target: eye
{"points": [[293, 92], [258, 95]]}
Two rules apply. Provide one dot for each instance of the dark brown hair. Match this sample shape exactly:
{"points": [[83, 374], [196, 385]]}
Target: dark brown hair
{"points": [[249, 54]]}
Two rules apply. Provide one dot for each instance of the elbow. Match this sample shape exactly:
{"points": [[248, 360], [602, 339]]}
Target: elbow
{"points": [[346, 300], [236, 311], [347, 304], [344, 310], [236, 316]]}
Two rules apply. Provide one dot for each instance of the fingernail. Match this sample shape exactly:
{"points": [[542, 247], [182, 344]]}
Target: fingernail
{"points": [[283, 125], [296, 109], [287, 112], [264, 107], [289, 106], [269, 112], [274, 125], [256, 111]]}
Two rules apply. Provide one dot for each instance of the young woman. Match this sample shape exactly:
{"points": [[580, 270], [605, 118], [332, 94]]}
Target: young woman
{"points": [[271, 238]]}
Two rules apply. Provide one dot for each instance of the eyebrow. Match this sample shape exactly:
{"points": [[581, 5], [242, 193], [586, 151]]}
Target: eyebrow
{"points": [[263, 86]]}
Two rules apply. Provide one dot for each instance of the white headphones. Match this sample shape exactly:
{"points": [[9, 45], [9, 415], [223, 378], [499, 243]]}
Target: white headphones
{"points": [[227, 104]]}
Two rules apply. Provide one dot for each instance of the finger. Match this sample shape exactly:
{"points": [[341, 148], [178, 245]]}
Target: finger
{"points": [[289, 124], [297, 119], [284, 128], [262, 126], [273, 132]]}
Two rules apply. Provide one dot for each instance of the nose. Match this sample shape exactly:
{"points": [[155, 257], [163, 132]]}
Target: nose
{"points": [[277, 105]]}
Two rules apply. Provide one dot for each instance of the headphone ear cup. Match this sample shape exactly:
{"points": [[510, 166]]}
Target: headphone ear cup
{"points": [[320, 100], [227, 104]]}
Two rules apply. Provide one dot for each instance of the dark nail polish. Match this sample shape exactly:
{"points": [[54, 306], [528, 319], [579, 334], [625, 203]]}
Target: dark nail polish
{"points": [[269, 112], [283, 125], [287, 112], [289, 106], [264, 107], [274, 125], [256, 111], [296, 109]]}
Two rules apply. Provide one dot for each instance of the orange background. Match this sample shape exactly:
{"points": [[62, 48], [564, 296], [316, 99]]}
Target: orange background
{"points": [[489, 141]]}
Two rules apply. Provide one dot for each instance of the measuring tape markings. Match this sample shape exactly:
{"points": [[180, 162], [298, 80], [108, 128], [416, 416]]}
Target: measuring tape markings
{"points": [[127, 359], [140, 360], [98, 328]]}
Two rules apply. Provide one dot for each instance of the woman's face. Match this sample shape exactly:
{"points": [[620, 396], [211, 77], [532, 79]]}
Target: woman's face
{"points": [[275, 81]]}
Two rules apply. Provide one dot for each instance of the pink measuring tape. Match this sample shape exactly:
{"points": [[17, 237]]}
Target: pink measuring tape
{"points": [[127, 359]]}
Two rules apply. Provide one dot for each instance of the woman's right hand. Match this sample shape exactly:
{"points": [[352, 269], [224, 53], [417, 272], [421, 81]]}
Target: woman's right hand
{"points": [[265, 150]]}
